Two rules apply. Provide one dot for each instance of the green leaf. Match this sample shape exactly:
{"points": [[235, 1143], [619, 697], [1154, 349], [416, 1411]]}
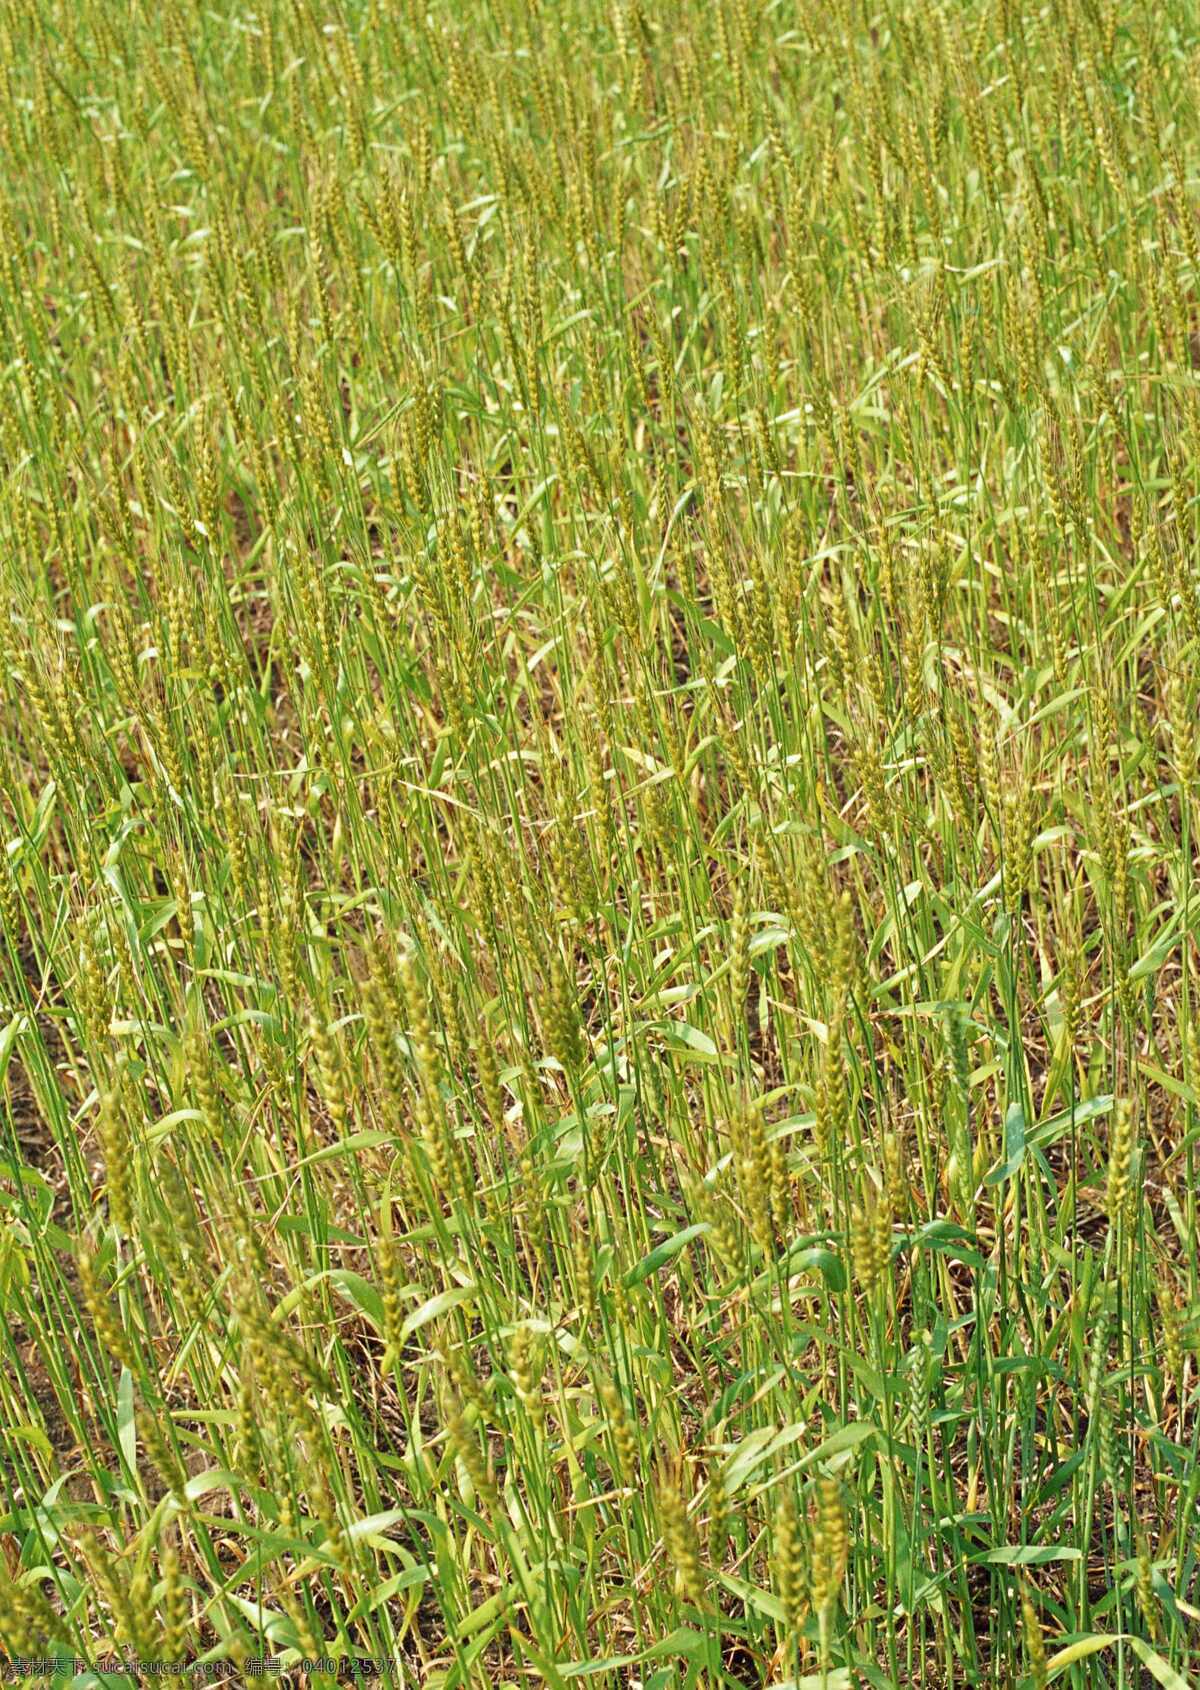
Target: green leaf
{"points": [[435, 1306], [1154, 1664], [126, 1423], [375, 1525], [692, 1039], [1152, 960], [411, 1579], [589, 1669], [366, 1140], [41, 818], [8, 1039], [1086, 1110], [1014, 1146], [487, 1613], [846, 1437], [829, 1265], [1026, 1555], [945, 1237], [1078, 1651], [363, 1295], [213, 1478], [684, 1640], [664, 1252], [753, 1451], [276, 1627], [34, 1436], [838, 1679], [761, 1601], [163, 1127]]}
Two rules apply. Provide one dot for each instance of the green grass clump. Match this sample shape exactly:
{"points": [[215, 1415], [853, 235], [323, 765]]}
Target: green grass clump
{"points": [[598, 768]]}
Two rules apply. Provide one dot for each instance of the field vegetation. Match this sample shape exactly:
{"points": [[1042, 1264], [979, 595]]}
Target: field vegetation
{"points": [[599, 1051]]}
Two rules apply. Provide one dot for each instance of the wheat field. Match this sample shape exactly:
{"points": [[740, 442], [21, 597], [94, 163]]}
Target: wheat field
{"points": [[598, 779]]}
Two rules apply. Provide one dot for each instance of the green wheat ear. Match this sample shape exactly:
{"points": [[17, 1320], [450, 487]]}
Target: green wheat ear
{"points": [[789, 1563], [1035, 1646], [828, 1554], [1119, 1184], [621, 1429], [680, 1543], [870, 1242]]}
